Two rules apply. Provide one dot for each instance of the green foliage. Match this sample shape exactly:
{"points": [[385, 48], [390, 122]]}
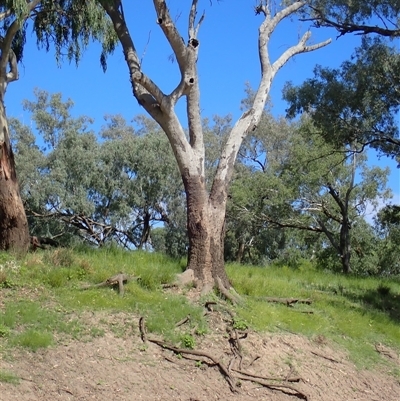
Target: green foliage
{"points": [[239, 324], [71, 26], [388, 227], [68, 25], [297, 197], [188, 341], [347, 107], [357, 16], [116, 192]]}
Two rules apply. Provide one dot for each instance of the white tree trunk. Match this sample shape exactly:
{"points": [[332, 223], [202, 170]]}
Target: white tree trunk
{"points": [[206, 211]]}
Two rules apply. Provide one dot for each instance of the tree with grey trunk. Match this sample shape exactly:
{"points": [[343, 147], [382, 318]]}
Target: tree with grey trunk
{"points": [[205, 208]]}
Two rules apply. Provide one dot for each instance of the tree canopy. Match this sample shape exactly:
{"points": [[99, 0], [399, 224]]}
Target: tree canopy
{"points": [[357, 16], [357, 103]]}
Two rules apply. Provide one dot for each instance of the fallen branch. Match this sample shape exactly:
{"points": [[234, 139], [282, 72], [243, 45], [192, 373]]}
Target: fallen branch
{"points": [[183, 321], [119, 279], [325, 357], [287, 301]]}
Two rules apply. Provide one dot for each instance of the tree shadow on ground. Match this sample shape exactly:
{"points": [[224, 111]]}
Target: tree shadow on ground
{"points": [[382, 299]]}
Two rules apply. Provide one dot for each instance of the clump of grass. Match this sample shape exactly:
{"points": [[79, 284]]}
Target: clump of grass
{"points": [[188, 341], [60, 257], [8, 377], [33, 339]]}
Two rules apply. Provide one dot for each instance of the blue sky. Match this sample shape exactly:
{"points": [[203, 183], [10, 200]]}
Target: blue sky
{"points": [[227, 60]]}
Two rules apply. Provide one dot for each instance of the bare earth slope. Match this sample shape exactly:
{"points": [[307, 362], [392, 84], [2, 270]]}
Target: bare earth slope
{"points": [[123, 368]]}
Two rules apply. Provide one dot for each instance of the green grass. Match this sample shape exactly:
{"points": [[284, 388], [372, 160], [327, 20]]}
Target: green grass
{"points": [[42, 302], [353, 312], [8, 377]]}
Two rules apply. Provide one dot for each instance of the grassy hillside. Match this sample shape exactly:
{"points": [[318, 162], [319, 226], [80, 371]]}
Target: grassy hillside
{"points": [[42, 302]]}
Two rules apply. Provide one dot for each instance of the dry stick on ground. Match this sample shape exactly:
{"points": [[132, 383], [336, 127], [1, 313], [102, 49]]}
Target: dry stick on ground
{"points": [[142, 330], [325, 357], [254, 359], [119, 279], [286, 301], [183, 321]]}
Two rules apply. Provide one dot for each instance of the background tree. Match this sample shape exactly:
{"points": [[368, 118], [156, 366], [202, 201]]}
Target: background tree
{"points": [[357, 103], [388, 226], [205, 209], [108, 187], [315, 190]]}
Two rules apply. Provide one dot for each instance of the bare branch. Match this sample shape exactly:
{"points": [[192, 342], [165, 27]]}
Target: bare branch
{"points": [[301, 47], [177, 43], [250, 119]]}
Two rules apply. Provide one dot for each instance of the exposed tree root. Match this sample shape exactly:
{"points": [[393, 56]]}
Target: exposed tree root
{"points": [[232, 296], [231, 381], [291, 379], [241, 374], [284, 388], [118, 280]]}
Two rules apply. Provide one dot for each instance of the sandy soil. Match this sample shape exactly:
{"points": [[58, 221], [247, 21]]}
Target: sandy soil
{"points": [[121, 367]]}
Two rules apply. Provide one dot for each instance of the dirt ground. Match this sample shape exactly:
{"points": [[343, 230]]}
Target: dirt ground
{"points": [[119, 366]]}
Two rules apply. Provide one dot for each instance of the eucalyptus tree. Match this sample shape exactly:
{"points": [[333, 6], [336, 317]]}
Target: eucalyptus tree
{"points": [[387, 224], [357, 103], [69, 25], [261, 157], [108, 187], [205, 208], [323, 190]]}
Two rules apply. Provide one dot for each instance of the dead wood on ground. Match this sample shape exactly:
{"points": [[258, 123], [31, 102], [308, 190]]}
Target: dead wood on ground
{"points": [[287, 301], [118, 280]]}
